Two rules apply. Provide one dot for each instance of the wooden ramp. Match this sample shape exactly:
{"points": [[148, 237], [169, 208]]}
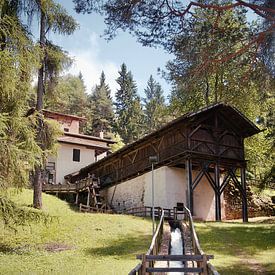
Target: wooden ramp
{"points": [[90, 185], [157, 259]]}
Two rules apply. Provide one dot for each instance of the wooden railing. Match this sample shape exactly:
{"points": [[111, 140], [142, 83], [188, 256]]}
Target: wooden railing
{"points": [[153, 249], [68, 187], [146, 211], [90, 209], [195, 242], [202, 266]]}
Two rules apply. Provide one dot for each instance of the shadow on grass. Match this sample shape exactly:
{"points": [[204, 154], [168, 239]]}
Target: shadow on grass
{"points": [[6, 249], [125, 246], [244, 269]]}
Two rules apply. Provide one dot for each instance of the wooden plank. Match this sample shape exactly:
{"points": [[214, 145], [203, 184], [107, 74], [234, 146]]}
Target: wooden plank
{"points": [[196, 258], [136, 269], [174, 269]]}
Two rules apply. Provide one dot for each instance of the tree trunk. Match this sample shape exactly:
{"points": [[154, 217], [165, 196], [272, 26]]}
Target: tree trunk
{"points": [[37, 182]]}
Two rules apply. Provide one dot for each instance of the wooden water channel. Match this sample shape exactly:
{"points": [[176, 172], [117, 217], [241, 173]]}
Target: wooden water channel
{"points": [[195, 262]]}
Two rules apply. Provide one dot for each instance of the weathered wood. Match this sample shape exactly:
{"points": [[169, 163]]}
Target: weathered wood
{"points": [[217, 193], [136, 269], [206, 136], [76, 198], [174, 269], [197, 258], [188, 168], [143, 265], [244, 197]]}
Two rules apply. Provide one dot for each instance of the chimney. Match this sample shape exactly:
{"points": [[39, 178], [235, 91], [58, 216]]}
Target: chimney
{"points": [[101, 134]]}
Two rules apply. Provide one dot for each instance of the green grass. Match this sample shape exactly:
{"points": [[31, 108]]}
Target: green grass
{"points": [[96, 243], [240, 248]]}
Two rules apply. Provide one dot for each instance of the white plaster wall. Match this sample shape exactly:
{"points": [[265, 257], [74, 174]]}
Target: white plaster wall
{"points": [[127, 194], [65, 163], [204, 200], [170, 188]]}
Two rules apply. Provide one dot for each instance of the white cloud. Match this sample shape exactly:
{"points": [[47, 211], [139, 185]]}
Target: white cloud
{"points": [[88, 62]]}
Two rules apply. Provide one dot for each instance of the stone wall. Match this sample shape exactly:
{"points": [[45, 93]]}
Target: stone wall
{"points": [[257, 206]]}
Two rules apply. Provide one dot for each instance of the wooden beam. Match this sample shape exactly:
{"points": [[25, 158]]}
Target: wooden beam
{"points": [[188, 169], [217, 192], [244, 197]]}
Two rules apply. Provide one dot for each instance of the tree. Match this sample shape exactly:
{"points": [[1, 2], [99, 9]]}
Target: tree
{"points": [[243, 82], [157, 22], [101, 105], [52, 59], [52, 17], [68, 96], [129, 114], [154, 106], [232, 81], [19, 151]]}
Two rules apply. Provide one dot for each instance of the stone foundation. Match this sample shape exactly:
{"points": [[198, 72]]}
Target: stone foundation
{"points": [[257, 206]]}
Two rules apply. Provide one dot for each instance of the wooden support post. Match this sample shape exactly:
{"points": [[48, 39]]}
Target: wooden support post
{"points": [[217, 193], [244, 197], [188, 168], [76, 198], [204, 264], [88, 197], [143, 267]]}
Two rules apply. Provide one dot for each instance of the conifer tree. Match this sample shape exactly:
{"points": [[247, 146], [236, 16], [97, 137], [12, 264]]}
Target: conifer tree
{"points": [[130, 117], [52, 17], [68, 96], [102, 109], [154, 106]]}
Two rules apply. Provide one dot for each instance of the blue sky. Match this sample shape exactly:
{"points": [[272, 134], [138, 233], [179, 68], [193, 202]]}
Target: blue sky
{"points": [[92, 53]]}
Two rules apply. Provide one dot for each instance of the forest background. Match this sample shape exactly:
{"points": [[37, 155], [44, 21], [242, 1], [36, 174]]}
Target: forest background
{"points": [[219, 56]]}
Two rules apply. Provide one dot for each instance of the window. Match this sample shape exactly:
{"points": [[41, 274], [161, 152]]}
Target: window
{"points": [[66, 129], [76, 155]]}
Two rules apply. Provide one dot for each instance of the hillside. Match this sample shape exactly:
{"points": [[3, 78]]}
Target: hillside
{"points": [[240, 248], [73, 243]]}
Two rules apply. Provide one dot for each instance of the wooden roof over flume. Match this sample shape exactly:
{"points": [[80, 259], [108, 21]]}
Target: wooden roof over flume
{"points": [[215, 133]]}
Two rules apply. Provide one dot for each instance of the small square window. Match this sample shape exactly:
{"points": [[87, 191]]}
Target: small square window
{"points": [[66, 129], [76, 155]]}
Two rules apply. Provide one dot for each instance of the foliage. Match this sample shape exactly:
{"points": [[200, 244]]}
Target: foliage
{"points": [[68, 96], [101, 108], [14, 216], [92, 243], [52, 17], [158, 22], [154, 106], [129, 120], [19, 152], [243, 82], [119, 143], [231, 81], [22, 148]]}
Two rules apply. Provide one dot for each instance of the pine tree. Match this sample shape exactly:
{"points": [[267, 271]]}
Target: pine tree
{"points": [[154, 106], [52, 17], [101, 105], [129, 111]]}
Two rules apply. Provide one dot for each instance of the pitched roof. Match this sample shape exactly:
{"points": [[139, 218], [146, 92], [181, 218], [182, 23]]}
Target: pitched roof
{"points": [[242, 124], [88, 137], [49, 113]]}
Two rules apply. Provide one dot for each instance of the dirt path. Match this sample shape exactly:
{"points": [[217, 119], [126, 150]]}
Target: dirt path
{"points": [[252, 264]]}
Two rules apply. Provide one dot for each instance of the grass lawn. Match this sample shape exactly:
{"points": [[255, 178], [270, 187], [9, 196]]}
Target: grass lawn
{"points": [[74, 243], [240, 248]]}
